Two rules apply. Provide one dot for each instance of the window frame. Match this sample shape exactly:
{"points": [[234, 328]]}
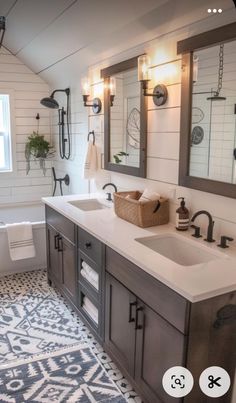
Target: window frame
{"points": [[12, 143]]}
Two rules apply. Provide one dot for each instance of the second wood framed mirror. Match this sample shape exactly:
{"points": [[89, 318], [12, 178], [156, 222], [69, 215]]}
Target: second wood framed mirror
{"points": [[125, 120], [208, 111]]}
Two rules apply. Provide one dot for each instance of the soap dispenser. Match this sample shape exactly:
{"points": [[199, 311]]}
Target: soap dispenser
{"points": [[182, 216]]}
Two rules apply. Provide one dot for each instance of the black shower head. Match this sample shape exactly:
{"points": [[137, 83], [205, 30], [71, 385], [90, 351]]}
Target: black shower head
{"points": [[50, 102], [216, 98]]}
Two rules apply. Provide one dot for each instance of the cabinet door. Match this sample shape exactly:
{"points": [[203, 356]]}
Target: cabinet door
{"points": [[119, 324], [54, 258], [68, 251], [159, 346]]}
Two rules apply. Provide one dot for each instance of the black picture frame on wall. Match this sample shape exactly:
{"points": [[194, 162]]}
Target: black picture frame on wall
{"points": [[108, 165], [186, 47]]}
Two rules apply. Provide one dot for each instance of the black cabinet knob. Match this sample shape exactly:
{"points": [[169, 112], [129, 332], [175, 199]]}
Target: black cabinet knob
{"points": [[88, 245]]}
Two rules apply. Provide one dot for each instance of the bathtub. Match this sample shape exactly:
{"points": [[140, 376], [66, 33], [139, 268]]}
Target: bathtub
{"points": [[18, 213]]}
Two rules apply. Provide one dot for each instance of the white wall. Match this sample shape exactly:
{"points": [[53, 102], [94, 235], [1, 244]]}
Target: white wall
{"points": [[27, 89]]}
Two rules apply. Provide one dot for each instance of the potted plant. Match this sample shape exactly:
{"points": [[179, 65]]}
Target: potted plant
{"points": [[39, 149]]}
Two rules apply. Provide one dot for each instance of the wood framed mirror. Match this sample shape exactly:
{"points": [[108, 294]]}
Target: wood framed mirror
{"points": [[208, 111], [125, 120]]}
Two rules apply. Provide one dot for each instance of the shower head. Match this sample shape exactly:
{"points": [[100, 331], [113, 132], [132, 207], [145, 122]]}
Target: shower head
{"points": [[216, 97], [50, 102]]}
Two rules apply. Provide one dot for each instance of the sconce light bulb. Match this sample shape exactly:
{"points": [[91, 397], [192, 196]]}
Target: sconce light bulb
{"points": [[112, 86], [85, 86], [195, 68], [144, 72]]}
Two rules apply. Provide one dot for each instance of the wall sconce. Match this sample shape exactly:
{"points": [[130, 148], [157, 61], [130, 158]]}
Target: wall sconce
{"points": [[160, 92], [112, 88], [96, 104], [195, 68]]}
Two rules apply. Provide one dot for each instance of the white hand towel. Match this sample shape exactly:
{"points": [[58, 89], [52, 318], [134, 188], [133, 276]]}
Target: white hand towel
{"points": [[89, 279], [90, 309], [149, 195], [20, 240], [91, 161], [90, 272]]}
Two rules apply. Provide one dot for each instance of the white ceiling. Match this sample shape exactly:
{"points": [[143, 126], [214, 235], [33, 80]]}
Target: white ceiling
{"points": [[44, 32]]}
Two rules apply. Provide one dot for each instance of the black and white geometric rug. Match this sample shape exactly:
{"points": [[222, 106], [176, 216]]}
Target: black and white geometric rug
{"points": [[72, 375], [36, 322]]}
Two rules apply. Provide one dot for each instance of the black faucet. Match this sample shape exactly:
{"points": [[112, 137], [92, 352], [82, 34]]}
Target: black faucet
{"points": [[209, 237], [108, 193]]}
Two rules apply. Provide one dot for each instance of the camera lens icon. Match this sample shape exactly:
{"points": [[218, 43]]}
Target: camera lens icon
{"points": [[177, 381]]}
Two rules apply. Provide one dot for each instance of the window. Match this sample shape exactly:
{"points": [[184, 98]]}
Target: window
{"points": [[5, 134]]}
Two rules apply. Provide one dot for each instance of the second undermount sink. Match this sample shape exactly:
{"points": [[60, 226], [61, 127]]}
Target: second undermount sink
{"points": [[179, 250], [88, 204]]}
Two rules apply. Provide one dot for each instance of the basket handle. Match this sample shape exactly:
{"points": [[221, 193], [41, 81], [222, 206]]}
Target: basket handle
{"points": [[157, 206]]}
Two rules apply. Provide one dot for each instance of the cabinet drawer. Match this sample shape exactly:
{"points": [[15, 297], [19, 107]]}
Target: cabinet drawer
{"points": [[60, 223], [166, 302], [91, 246]]}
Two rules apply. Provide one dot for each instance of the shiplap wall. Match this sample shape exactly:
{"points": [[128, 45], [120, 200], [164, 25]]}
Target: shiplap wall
{"points": [[27, 89], [162, 143]]}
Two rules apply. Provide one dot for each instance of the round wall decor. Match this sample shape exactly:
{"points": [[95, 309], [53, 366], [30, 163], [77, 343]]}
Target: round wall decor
{"points": [[197, 135]]}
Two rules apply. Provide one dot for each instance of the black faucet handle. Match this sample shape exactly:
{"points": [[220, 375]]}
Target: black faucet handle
{"points": [[197, 233], [223, 241], [109, 196]]}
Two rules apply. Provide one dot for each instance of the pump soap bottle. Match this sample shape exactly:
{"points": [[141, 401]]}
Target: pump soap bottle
{"points": [[182, 216]]}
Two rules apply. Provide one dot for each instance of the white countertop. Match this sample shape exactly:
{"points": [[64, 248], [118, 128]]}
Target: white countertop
{"points": [[195, 283]]}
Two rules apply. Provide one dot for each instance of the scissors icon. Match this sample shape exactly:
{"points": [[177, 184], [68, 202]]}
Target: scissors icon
{"points": [[178, 382], [213, 381]]}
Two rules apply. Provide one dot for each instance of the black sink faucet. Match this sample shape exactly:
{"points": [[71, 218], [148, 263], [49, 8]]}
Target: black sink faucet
{"points": [[209, 237], [109, 193]]}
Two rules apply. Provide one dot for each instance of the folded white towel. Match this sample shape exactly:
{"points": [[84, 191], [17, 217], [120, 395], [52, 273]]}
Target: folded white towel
{"points": [[89, 279], [91, 309], [20, 240], [90, 272], [91, 161], [149, 195]]}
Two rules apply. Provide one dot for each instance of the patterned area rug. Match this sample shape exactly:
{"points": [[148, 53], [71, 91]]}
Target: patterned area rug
{"points": [[37, 325], [74, 375], [33, 317]]}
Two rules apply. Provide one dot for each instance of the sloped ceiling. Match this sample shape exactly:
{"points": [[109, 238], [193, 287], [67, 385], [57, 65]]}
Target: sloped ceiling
{"points": [[46, 33]]}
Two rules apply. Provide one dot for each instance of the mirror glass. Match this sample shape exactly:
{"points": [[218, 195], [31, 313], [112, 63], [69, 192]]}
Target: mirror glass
{"points": [[213, 120], [125, 120]]}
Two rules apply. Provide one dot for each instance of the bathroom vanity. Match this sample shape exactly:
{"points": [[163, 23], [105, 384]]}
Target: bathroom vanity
{"points": [[152, 313]]}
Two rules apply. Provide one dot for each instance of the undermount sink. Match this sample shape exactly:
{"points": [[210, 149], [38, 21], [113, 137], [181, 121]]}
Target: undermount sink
{"points": [[179, 250], [88, 204]]}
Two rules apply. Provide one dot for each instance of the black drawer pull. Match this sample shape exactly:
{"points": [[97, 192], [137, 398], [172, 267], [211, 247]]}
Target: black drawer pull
{"points": [[60, 244], [88, 245], [56, 237], [131, 304], [137, 326]]}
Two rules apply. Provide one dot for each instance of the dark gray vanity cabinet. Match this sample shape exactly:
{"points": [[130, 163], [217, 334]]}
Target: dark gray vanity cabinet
{"points": [[61, 254], [149, 328], [139, 339]]}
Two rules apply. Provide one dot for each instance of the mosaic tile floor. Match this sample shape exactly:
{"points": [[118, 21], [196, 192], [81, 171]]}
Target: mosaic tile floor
{"points": [[35, 320]]}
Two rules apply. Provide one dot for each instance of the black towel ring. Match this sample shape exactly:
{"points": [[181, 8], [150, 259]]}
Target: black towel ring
{"points": [[93, 134]]}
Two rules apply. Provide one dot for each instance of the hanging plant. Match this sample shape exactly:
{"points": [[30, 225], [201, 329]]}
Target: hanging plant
{"points": [[39, 149]]}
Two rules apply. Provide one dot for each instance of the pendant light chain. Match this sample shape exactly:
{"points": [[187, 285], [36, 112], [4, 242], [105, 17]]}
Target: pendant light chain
{"points": [[221, 68]]}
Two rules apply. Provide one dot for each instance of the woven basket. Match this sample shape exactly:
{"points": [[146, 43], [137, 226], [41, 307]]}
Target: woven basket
{"points": [[143, 214]]}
